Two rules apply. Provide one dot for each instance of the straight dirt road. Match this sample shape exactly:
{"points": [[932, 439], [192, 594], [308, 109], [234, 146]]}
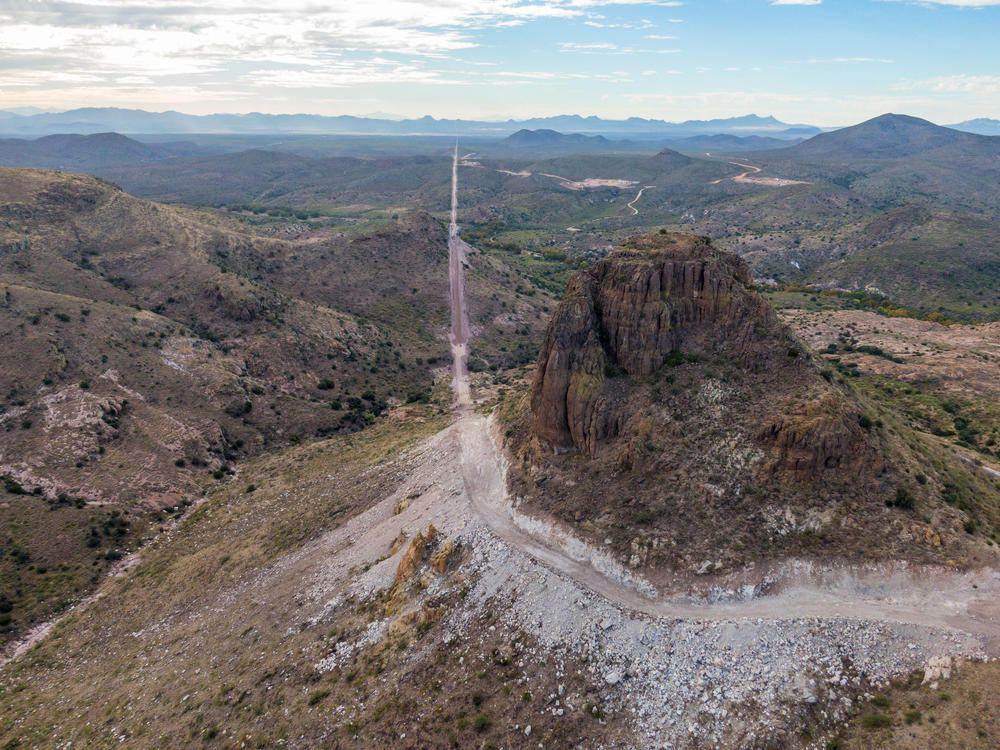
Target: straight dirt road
{"points": [[459, 337]]}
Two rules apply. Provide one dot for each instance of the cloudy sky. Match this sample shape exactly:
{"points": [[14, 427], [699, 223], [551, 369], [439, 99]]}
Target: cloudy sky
{"points": [[826, 62]]}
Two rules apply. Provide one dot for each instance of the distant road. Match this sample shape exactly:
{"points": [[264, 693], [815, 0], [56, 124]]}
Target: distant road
{"points": [[631, 204], [751, 169]]}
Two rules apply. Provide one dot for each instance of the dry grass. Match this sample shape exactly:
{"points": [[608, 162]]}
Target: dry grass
{"points": [[961, 713]]}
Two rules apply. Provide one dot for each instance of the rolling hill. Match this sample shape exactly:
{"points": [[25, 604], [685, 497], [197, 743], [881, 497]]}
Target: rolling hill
{"points": [[87, 152], [548, 139]]}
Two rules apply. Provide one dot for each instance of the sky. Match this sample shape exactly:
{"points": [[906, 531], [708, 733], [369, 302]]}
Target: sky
{"points": [[821, 62]]}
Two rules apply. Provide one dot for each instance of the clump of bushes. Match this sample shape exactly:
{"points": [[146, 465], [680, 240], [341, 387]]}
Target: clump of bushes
{"points": [[903, 499]]}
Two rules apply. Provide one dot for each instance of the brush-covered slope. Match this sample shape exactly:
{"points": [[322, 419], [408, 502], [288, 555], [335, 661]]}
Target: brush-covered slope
{"points": [[149, 350], [143, 361], [86, 152], [673, 418]]}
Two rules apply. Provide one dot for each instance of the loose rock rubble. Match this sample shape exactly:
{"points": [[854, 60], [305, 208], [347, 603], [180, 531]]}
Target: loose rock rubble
{"points": [[683, 680]]}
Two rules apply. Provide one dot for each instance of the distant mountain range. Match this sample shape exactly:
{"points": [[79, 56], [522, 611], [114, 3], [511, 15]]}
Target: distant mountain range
{"points": [[551, 141], [980, 126], [91, 120]]}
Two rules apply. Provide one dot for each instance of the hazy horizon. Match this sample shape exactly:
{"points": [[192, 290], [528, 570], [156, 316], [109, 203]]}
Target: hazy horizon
{"points": [[498, 119], [803, 61]]}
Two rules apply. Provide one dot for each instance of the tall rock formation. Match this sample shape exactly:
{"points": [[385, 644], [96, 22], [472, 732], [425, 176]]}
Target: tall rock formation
{"points": [[659, 299]]}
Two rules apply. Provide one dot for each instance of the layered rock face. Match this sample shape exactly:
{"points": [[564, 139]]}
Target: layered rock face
{"points": [[647, 302]]}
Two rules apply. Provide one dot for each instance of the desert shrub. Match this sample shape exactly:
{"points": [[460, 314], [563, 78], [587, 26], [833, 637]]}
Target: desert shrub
{"points": [[903, 499], [317, 695], [644, 517], [674, 359], [12, 485]]}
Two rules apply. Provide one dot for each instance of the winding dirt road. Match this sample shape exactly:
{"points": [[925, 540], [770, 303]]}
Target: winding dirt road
{"points": [[740, 177], [752, 170], [935, 597], [631, 204]]}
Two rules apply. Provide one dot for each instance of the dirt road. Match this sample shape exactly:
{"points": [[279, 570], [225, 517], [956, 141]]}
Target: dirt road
{"points": [[459, 337], [752, 170], [631, 204], [738, 178]]}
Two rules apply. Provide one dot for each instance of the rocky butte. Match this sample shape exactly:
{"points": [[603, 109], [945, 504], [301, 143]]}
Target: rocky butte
{"points": [[674, 419]]}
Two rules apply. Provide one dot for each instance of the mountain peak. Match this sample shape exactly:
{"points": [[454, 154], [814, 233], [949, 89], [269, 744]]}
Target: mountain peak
{"points": [[888, 136]]}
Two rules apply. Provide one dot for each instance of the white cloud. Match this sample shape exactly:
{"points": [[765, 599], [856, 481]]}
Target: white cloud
{"points": [[796, 2], [957, 84], [586, 47], [819, 61], [955, 3]]}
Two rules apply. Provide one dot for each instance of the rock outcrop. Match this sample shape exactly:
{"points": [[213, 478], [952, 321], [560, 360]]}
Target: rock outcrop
{"points": [[658, 297]]}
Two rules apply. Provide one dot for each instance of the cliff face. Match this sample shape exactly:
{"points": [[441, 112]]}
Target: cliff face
{"points": [[646, 303]]}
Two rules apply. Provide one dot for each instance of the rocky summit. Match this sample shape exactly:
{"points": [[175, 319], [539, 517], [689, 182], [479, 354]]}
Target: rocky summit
{"points": [[659, 301]]}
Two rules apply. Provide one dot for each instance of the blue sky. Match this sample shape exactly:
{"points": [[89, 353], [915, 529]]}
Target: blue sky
{"points": [[825, 62]]}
